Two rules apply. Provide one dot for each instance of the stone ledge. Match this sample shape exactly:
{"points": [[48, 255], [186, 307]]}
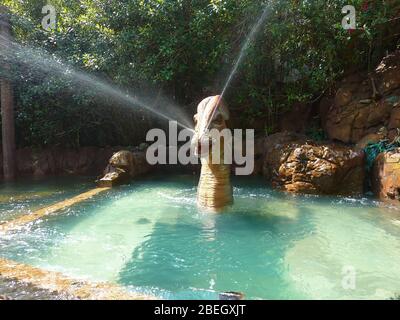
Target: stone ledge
{"points": [[65, 286]]}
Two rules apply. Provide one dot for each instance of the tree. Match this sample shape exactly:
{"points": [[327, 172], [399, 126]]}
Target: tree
{"points": [[7, 105], [185, 49]]}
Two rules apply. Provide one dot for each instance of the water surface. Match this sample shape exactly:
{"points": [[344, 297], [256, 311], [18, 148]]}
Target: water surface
{"points": [[29, 194], [269, 245]]}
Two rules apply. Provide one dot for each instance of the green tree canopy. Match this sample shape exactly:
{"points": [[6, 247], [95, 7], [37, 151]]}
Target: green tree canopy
{"points": [[186, 48]]}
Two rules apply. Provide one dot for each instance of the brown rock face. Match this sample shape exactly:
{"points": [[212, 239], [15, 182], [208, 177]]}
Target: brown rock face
{"points": [[295, 164], [364, 104], [371, 138], [386, 176], [258, 156], [123, 166], [388, 73], [296, 119], [88, 161], [60, 161]]}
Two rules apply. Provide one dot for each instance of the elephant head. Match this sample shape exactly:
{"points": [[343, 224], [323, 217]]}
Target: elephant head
{"points": [[212, 113]]}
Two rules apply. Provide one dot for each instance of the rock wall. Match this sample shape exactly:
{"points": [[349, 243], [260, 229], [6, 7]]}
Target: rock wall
{"points": [[365, 104], [59, 161], [386, 176]]}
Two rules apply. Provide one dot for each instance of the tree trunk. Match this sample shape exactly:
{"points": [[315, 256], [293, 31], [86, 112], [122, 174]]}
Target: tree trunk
{"points": [[7, 106]]}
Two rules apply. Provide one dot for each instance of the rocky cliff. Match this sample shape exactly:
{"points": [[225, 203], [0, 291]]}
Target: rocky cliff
{"points": [[60, 161]]}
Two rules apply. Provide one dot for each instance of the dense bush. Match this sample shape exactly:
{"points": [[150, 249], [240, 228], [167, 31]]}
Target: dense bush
{"points": [[185, 49]]}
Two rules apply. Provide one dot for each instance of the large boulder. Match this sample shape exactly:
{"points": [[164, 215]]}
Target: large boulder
{"points": [[364, 103], [296, 164], [386, 176], [122, 167]]}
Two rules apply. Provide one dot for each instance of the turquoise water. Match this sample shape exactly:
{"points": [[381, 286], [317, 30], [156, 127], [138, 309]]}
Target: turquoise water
{"points": [[28, 194], [150, 236]]}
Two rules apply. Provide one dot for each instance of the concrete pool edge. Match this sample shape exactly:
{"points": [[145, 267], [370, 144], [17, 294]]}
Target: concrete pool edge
{"points": [[28, 218], [64, 285]]}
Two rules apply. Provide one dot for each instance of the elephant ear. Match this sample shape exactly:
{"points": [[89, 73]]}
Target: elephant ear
{"points": [[218, 107], [204, 111], [201, 108], [208, 110]]}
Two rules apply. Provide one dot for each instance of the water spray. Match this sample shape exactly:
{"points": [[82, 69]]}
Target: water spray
{"points": [[42, 60], [242, 54]]}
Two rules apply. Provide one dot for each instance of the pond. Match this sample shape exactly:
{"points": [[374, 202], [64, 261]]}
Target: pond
{"points": [[149, 236]]}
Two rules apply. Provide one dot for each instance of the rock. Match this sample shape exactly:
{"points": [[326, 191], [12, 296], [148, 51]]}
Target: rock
{"points": [[371, 138], [388, 72], [122, 167], [365, 103], [43, 163], [123, 160], [86, 160], [296, 164], [141, 166], [386, 176], [324, 106], [343, 97], [82, 161], [102, 158], [296, 119], [60, 161], [273, 150], [24, 161], [394, 122], [258, 156], [67, 161], [351, 123], [113, 179]]}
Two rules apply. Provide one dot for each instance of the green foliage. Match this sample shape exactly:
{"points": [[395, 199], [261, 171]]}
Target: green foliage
{"points": [[316, 133], [186, 49]]}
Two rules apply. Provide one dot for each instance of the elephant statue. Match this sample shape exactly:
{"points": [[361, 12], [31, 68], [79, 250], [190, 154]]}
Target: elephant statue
{"points": [[214, 189]]}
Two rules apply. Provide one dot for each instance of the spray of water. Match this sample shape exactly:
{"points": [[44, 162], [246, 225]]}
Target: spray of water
{"points": [[37, 58], [254, 31]]}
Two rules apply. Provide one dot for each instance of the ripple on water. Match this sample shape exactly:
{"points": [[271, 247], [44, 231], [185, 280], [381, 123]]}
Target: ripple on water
{"points": [[269, 245]]}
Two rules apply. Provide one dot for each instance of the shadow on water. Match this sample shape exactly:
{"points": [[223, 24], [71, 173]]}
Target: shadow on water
{"points": [[202, 254]]}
